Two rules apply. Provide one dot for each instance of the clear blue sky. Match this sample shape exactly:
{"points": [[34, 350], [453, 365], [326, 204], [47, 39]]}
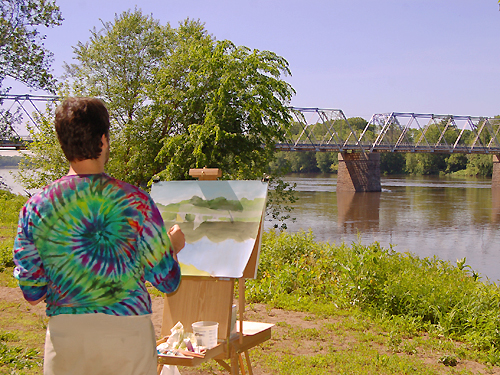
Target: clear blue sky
{"points": [[361, 56]]}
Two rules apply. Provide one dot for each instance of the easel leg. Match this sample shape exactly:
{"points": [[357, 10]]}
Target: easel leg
{"points": [[234, 363], [158, 369], [242, 366], [224, 364], [249, 365]]}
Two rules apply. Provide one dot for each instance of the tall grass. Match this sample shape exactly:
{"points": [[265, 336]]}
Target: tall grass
{"points": [[296, 272]]}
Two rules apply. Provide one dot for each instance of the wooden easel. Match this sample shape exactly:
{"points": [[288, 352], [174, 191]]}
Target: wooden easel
{"points": [[211, 299]]}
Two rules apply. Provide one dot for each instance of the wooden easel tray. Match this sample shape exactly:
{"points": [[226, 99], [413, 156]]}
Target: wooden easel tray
{"points": [[191, 361], [254, 333]]}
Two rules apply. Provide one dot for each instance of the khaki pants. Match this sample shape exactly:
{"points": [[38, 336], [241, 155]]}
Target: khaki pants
{"points": [[100, 344]]}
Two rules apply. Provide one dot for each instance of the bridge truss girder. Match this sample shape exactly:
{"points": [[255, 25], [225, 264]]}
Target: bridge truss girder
{"points": [[412, 132], [22, 110], [392, 132], [320, 130]]}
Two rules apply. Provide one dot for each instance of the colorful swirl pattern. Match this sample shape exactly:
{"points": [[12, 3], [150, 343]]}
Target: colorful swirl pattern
{"points": [[89, 242]]}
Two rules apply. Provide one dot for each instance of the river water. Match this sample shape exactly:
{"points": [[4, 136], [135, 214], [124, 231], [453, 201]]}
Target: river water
{"points": [[447, 217], [8, 179]]}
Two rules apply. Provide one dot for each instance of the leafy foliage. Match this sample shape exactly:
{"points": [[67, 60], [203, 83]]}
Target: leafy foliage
{"points": [[178, 99], [304, 162], [22, 54], [392, 163], [46, 161], [280, 195], [230, 114], [479, 165], [10, 205], [117, 62]]}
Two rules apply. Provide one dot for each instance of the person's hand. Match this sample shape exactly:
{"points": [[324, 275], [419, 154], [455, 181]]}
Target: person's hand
{"points": [[176, 238]]}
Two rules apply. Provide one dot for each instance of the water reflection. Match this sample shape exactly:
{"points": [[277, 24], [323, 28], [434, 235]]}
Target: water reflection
{"points": [[495, 205], [429, 216], [358, 211]]}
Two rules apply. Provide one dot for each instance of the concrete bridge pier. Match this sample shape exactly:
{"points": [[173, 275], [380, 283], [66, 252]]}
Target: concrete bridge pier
{"points": [[495, 178], [359, 172]]}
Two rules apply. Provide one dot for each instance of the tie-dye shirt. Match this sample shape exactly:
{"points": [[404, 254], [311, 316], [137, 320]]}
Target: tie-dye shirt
{"points": [[89, 242]]}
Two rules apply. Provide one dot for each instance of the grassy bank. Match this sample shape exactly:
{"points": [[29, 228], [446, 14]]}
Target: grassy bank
{"points": [[338, 309], [403, 293]]}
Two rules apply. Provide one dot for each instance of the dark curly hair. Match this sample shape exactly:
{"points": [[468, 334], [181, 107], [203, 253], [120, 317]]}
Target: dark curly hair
{"points": [[80, 124]]}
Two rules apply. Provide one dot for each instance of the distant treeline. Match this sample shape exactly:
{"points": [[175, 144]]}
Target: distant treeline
{"points": [[9, 161], [390, 163]]}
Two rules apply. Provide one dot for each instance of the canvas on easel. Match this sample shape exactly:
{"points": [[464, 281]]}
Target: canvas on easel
{"points": [[222, 223]]}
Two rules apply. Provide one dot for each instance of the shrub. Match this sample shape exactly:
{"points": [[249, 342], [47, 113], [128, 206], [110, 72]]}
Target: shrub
{"points": [[10, 204]]}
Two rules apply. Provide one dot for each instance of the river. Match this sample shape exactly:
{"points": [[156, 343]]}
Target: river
{"points": [[447, 217]]}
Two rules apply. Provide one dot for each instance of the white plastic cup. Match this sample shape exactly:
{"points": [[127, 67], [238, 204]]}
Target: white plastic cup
{"points": [[206, 333]]}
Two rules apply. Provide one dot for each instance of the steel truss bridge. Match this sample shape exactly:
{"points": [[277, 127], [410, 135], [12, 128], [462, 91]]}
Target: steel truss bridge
{"points": [[24, 111], [316, 129]]}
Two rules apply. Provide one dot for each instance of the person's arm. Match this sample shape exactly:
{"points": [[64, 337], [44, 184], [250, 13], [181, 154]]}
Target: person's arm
{"points": [[29, 270], [161, 247]]}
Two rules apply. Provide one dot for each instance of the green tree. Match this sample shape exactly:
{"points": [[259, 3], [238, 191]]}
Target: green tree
{"points": [[229, 112], [327, 162], [116, 64], [118, 61], [22, 53], [45, 162], [392, 163], [178, 99], [280, 165], [23, 56], [425, 163], [456, 162], [479, 165], [302, 162], [431, 163]]}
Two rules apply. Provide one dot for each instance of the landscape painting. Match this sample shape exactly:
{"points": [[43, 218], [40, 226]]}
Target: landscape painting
{"points": [[220, 219]]}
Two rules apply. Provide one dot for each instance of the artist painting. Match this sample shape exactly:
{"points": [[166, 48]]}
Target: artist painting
{"points": [[86, 245]]}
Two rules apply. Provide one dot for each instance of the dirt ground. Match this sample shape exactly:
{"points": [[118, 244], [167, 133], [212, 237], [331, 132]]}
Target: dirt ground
{"points": [[282, 319]]}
